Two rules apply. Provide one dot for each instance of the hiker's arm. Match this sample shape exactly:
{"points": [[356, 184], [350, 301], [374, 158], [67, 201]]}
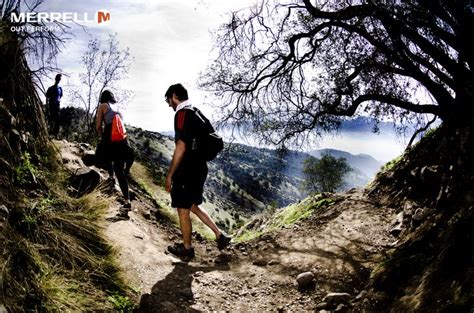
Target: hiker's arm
{"points": [[177, 157], [98, 120]]}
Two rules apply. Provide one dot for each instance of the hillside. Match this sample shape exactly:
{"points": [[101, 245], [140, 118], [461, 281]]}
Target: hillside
{"points": [[242, 180], [385, 248], [245, 180], [319, 235], [53, 256]]}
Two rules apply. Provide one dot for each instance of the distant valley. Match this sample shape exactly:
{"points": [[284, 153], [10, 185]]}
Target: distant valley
{"points": [[244, 180]]}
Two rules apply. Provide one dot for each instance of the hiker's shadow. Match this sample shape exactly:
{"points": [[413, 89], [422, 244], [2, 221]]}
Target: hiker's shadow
{"points": [[174, 292]]}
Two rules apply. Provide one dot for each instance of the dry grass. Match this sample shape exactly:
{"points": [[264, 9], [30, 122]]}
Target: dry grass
{"points": [[55, 258]]}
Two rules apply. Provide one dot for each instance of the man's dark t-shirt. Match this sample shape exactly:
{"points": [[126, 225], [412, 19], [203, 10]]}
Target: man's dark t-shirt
{"points": [[191, 167], [54, 94]]}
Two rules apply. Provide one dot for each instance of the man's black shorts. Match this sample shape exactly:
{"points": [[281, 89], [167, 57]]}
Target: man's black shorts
{"points": [[187, 189]]}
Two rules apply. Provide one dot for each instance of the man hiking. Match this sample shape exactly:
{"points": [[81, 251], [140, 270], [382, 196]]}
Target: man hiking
{"points": [[187, 174], [53, 99]]}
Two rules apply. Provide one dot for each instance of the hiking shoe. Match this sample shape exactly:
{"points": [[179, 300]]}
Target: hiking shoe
{"points": [[223, 241], [179, 250], [127, 205]]}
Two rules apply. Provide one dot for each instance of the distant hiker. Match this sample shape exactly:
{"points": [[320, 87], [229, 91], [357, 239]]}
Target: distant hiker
{"points": [[187, 174], [53, 99], [116, 152]]}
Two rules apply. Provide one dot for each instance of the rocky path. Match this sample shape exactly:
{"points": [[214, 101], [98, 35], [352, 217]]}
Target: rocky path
{"points": [[337, 249]]}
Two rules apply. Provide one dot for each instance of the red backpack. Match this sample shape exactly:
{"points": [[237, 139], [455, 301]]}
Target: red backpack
{"points": [[118, 129]]}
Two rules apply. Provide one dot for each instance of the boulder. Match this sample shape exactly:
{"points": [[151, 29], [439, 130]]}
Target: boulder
{"points": [[89, 158], [84, 180]]}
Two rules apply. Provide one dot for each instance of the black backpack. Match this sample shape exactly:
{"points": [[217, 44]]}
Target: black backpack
{"points": [[207, 142]]}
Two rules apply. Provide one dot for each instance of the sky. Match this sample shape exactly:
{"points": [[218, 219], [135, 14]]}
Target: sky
{"points": [[171, 42]]}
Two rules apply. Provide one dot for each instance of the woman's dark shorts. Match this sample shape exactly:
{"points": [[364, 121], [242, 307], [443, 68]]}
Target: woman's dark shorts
{"points": [[187, 189]]}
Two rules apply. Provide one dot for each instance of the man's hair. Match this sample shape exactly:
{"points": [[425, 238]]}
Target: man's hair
{"points": [[107, 96], [178, 90], [58, 77]]}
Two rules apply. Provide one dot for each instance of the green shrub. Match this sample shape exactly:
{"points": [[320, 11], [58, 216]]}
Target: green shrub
{"points": [[121, 303], [26, 172]]}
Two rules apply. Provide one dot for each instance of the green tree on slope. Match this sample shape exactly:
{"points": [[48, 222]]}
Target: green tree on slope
{"points": [[324, 175]]}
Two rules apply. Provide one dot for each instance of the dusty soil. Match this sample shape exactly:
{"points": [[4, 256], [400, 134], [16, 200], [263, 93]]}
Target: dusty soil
{"points": [[340, 246]]}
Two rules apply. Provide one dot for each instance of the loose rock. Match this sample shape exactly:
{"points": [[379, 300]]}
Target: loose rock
{"points": [[337, 297], [305, 279]]}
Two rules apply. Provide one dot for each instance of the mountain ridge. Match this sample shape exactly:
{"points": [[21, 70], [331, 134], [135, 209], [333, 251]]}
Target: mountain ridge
{"points": [[362, 161]]}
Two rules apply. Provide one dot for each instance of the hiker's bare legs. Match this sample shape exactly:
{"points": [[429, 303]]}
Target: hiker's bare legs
{"points": [[186, 227], [206, 219]]}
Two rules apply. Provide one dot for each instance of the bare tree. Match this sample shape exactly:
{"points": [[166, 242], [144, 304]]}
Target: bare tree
{"points": [[104, 67], [291, 68]]}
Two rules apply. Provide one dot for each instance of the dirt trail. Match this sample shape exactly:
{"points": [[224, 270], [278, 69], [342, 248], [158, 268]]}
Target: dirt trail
{"points": [[340, 246]]}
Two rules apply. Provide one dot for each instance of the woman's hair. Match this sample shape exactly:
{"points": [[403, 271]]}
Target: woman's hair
{"points": [[107, 96]]}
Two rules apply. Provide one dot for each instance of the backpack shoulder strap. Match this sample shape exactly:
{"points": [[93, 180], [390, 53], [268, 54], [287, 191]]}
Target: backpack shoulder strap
{"points": [[199, 115], [207, 126]]}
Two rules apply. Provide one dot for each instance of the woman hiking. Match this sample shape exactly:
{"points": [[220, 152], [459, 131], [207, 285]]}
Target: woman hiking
{"points": [[118, 155]]}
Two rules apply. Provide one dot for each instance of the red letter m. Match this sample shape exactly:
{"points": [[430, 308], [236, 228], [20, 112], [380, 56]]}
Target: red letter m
{"points": [[103, 16]]}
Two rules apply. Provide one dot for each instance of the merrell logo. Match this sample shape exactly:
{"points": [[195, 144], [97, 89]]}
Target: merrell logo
{"points": [[103, 16]]}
